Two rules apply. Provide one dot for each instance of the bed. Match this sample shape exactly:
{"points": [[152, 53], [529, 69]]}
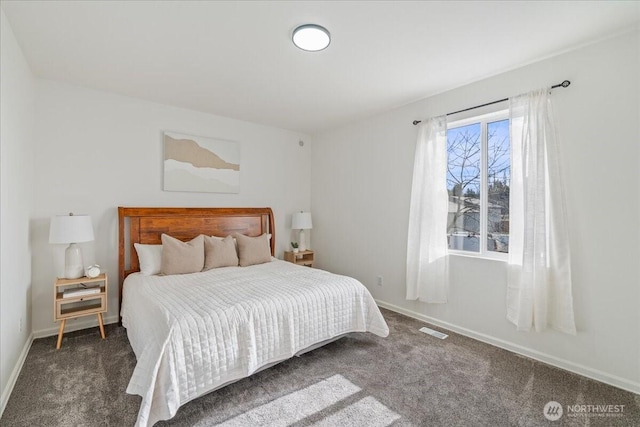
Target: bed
{"points": [[195, 333]]}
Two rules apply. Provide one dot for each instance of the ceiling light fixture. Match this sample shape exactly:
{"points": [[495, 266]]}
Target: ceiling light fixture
{"points": [[311, 37]]}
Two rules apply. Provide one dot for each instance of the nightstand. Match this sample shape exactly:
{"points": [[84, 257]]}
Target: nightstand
{"points": [[79, 297], [300, 258]]}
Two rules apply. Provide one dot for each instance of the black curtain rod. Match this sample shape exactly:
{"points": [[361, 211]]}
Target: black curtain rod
{"points": [[565, 83]]}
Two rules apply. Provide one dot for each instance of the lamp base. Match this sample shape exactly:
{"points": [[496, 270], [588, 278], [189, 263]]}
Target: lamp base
{"points": [[73, 265], [302, 241]]}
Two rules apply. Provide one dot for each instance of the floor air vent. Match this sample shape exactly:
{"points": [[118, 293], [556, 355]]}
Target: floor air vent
{"points": [[434, 333]]}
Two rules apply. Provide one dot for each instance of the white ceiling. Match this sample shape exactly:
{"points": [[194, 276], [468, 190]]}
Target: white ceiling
{"points": [[236, 59]]}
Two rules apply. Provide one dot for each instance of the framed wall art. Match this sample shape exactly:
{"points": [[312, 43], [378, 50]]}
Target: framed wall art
{"points": [[200, 164]]}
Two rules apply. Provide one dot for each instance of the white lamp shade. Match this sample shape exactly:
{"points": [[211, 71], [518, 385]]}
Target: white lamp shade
{"points": [[301, 221], [70, 229]]}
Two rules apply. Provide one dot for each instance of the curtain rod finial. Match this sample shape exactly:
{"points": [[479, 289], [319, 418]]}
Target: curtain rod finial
{"points": [[415, 122], [565, 83]]}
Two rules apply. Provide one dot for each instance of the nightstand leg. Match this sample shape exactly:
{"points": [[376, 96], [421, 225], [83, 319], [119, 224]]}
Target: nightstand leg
{"points": [[101, 325], [60, 333]]}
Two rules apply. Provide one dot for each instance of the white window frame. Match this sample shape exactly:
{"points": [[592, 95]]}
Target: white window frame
{"points": [[483, 119]]}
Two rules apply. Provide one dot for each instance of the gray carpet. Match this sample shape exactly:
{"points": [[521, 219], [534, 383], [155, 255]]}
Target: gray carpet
{"points": [[406, 379]]}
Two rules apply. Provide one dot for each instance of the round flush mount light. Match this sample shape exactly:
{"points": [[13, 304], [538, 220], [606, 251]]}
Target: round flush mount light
{"points": [[311, 37]]}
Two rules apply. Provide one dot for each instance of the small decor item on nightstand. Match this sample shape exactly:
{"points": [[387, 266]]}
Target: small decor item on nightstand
{"points": [[92, 271], [294, 245]]}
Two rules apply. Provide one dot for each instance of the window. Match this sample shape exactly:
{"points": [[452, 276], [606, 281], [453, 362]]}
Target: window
{"points": [[478, 173]]}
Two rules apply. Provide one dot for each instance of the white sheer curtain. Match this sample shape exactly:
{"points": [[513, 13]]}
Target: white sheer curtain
{"points": [[539, 276], [427, 260]]}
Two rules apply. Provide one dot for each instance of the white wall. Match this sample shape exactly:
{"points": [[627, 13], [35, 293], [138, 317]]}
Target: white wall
{"points": [[17, 113], [96, 151], [361, 182]]}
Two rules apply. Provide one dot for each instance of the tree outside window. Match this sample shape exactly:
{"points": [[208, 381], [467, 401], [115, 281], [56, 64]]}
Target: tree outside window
{"points": [[478, 174]]}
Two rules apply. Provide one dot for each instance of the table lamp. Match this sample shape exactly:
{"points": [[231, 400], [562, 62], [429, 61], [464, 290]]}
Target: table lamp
{"points": [[72, 229], [301, 221]]}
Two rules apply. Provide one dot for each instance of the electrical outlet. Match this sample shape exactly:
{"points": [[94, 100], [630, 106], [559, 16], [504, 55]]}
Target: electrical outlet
{"points": [[379, 280]]}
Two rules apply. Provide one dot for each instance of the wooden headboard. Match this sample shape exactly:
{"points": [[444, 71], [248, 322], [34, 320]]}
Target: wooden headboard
{"points": [[146, 225]]}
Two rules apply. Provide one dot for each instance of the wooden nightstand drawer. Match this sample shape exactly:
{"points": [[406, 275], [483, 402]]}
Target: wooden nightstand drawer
{"points": [[301, 258], [80, 306]]}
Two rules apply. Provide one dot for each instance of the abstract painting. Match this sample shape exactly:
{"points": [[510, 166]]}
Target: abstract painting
{"points": [[195, 163]]}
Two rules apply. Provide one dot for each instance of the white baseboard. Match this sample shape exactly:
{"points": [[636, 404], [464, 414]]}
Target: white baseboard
{"points": [[595, 374], [4, 399], [75, 325]]}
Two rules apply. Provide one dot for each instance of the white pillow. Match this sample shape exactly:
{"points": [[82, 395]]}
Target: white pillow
{"points": [[150, 258]]}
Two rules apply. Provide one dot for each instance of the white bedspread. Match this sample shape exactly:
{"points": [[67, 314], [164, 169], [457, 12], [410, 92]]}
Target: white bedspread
{"points": [[194, 333]]}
